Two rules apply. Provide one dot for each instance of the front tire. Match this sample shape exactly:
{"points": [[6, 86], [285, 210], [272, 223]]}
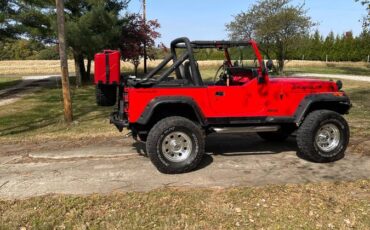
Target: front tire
{"points": [[323, 136], [175, 145]]}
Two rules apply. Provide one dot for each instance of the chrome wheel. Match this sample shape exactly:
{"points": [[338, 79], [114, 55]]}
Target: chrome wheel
{"points": [[328, 137], [177, 146]]}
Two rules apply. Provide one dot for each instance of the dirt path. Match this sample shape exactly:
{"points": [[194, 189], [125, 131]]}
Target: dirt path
{"points": [[335, 76], [232, 160], [29, 84]]}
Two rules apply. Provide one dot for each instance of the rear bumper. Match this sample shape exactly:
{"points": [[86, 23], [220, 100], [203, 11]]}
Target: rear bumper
{"points": [[119, 121]]}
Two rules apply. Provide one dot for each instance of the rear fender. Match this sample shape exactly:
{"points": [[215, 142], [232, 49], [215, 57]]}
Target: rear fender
{"points": [[159, 102]]}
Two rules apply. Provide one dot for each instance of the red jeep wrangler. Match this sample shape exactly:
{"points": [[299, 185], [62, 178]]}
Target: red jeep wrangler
{"points": [[172, 109]]}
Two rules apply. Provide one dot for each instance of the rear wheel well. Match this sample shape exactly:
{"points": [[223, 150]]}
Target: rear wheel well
{"points": [[168, 110]]}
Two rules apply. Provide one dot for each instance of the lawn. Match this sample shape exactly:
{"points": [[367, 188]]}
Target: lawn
{"points": [[338, 205], [40, 117]]}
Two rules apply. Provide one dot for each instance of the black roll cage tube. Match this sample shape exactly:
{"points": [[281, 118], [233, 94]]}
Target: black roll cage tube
{"points": [[188, 54], [184, 43]]}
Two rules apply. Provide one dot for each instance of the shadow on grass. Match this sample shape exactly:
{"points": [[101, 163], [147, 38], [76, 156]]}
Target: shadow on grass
{"points": [[9, 83], [355, 71], [363, 71]]}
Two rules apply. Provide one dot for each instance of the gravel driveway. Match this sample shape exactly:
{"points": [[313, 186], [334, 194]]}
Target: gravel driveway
{"points": [[232, 160]]}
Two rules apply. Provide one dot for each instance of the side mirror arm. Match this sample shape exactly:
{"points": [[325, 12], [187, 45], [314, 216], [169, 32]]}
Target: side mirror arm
{"points": [[262, 76]]}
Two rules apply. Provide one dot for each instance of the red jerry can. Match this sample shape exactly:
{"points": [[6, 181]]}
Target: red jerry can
{"points": [[107, 67]]}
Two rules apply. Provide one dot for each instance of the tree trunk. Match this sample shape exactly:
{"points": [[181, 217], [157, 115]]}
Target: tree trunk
{"points": [[67, 102], [77, 70], [88, 69], [280, 57], [281, 65], [81, 63], [135, 68]]}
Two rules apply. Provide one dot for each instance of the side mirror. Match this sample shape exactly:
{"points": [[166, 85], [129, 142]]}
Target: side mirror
{"points": [[270, 65]]}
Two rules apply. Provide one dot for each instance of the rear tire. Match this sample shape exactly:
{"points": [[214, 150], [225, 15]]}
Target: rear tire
{"points": [[175, 145], [323, 136], [106, 95]]}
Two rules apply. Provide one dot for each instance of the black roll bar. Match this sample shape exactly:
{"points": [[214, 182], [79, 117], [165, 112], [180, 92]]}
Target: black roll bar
{"points": [[175, 66], [188, 54], [189, 50], [159, 67]]}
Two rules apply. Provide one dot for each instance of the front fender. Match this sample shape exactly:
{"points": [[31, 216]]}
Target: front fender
{"points": [[332, 101]]}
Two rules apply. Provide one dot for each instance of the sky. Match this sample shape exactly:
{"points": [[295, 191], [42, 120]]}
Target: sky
{"points": [[206, 19]]}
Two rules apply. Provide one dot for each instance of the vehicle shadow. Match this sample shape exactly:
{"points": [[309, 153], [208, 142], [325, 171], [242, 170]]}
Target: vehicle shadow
{"points": [[243, 145], [235, 145], [246, 144]]}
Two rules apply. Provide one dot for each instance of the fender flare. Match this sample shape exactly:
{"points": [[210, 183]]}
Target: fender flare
{"points": [[158, 101], [343, 102]]}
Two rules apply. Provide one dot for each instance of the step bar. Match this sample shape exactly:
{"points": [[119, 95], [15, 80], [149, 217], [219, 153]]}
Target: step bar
{"points": [[249, 129]]}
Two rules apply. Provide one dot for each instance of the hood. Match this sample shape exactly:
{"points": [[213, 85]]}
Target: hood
{"points": [[298, 84]]}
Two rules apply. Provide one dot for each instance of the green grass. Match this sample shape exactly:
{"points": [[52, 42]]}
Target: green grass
{"points": [[41, 116], [340, 205], [7, 82], [359, 116]]}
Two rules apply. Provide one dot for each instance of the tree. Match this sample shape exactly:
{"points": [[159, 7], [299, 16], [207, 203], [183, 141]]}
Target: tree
{"points": [[275, 24], [328, 45], [91, 25], [7, 28], [135, 33], [366, 19], [316, 49]]}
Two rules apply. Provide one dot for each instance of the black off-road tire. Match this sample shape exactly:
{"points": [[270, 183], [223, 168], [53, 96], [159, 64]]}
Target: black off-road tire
{"points": [[106, 95], [306, 136], [281, 135], [162, 130]]}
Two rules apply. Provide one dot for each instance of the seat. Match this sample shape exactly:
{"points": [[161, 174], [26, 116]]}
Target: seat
{"points": [[181, 73], [188, 72]]}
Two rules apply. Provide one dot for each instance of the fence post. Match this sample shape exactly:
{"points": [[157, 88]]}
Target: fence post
{"points": [[368, 58], [326, 59]]}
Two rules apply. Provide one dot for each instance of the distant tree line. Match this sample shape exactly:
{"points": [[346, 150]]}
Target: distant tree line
{"points": [[333, 47], [22, 49], [345, 47]]}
